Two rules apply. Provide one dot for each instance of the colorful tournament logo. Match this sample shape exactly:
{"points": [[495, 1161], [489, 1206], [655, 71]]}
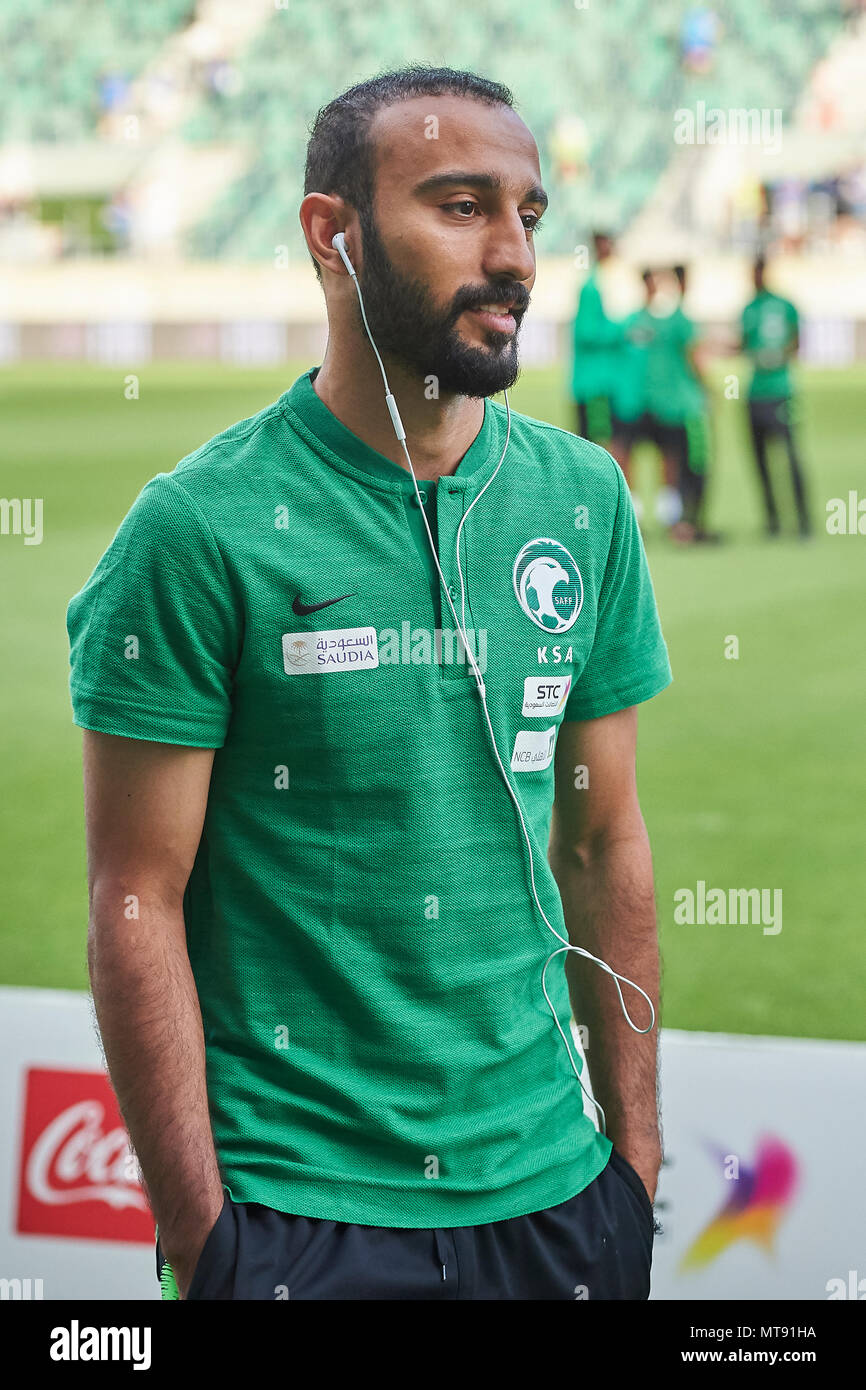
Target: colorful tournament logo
{"points": [[548, 585], [757, 1201]]}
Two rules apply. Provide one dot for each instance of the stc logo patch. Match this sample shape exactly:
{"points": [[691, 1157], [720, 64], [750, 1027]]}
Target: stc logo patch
{"points": [[544, 695], [548, 585]]}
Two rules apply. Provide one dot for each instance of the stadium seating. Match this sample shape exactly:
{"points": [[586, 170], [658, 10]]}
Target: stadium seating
{"points": [[618, 68], [56, 58]]}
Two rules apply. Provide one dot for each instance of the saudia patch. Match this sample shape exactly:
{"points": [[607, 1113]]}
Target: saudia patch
{"points": [[548, 585], [341, 649]]}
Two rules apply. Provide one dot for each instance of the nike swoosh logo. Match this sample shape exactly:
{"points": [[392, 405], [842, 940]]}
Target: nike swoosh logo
{"points": [[302, 609]]}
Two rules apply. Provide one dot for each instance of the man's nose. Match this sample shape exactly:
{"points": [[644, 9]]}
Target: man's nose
{"points": [[508, 254]]}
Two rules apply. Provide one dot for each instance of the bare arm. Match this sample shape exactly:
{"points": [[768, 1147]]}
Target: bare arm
{"points": [[600, 856], [144, 809], [698, 359]]}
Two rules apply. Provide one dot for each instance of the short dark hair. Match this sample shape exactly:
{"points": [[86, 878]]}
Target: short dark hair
{"points": [[340, 153]]}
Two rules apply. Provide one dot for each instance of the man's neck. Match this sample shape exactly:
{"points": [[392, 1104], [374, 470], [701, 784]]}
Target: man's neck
{"points": [[438, 431]]}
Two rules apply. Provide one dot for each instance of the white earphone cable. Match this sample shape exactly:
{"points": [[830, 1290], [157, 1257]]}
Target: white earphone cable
{"points": [[339, 243]]}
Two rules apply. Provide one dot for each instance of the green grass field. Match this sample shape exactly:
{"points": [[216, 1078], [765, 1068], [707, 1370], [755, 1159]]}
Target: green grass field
{"points": [[751, 771]]}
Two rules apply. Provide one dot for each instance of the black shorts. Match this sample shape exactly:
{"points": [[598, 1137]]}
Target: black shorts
{"points": [[629, 432], [596, 1245], [771, 415], [672, 440]]}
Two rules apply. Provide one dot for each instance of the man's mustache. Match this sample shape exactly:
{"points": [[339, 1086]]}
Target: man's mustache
{"points": [[515, 297]]}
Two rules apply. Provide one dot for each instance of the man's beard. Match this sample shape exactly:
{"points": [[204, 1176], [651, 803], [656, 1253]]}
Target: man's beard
{"points": [[409, 328]]}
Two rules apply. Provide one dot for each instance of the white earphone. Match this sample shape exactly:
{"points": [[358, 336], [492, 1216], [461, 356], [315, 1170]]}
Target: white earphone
{"points": [[339, 244]]}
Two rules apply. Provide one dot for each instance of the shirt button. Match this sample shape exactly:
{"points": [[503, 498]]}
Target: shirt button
{"points": [[452, 589], [423, 496]]}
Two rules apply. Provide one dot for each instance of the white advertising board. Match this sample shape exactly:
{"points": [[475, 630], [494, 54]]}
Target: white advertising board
{"points": [[761, 1195]]}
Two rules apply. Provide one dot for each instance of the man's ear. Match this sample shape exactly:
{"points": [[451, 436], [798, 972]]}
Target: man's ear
{"points": [[322, 215]]}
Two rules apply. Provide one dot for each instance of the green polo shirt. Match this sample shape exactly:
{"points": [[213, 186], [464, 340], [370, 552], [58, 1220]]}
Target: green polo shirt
{"points": [[769, 325], [380, 467], [671, 390], [364, 943], [596, 344], [628, 396]]}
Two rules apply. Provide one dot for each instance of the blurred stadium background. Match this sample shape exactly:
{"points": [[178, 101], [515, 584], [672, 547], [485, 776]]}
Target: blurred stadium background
{"points": [[155, 287]]}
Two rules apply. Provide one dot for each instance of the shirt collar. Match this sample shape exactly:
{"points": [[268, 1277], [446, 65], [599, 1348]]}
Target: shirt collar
{"points": [[344, 450]]}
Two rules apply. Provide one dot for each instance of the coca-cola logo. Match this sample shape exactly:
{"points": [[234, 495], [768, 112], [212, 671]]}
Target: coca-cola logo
{"points": [[78, 1175], [75, 1160]]}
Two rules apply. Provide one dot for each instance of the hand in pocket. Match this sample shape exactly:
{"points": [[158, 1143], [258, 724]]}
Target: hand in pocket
{"points": [[188, 1257]]}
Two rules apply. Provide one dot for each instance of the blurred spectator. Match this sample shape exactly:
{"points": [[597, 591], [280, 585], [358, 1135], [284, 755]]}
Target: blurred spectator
{"points": [[117, 219], [747, 210], [699, 34], [788, 212], [113, 89], [222, 78], [569, 147], [851, 186]]}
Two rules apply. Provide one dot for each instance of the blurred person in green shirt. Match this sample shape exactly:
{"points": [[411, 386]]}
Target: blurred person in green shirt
{"points": [[658, 396], [596, 342], [674, 393], [696, 460], [770, 337], [629, 426]]}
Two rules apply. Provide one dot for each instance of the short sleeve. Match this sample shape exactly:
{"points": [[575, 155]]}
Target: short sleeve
{"points": [[154, 633], [629, 661], [592, 328], [688, 331], [589, 315]]}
